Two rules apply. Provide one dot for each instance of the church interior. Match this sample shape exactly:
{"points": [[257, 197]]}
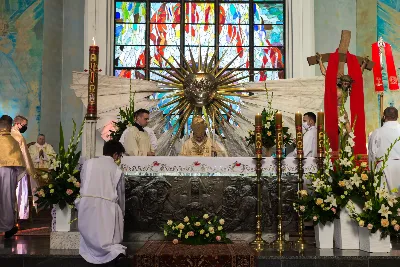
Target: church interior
{"points": [[199, 133]]}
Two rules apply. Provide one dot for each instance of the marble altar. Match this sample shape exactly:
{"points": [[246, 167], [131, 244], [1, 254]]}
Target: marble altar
{"points": [[163, 188]]}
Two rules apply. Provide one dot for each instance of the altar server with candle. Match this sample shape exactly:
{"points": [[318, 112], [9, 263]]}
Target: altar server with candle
{"points": [[200, 145], [379, 142], [101, 207]]}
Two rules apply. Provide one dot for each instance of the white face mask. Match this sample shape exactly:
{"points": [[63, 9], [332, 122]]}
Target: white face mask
{"points": [[306, 126]]}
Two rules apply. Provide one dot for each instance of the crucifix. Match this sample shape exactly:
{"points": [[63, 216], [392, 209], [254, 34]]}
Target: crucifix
{"points": [[344, 82]]}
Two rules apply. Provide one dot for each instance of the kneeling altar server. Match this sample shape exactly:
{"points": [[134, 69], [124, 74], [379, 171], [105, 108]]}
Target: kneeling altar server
{"points": [[101, 206]]}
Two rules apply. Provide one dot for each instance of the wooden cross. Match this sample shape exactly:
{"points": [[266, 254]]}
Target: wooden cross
{"points": [[343, 47]]}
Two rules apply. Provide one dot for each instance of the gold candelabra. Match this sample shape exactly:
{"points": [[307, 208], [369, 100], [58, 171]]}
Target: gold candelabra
{"points": [[258, 243], [279, 243], [300, 243]]}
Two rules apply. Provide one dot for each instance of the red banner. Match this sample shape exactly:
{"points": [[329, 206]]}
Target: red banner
{"points": [[391, 69]]}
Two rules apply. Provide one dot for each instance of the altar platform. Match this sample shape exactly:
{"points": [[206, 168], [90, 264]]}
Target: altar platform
{"points": [[33, 251]]}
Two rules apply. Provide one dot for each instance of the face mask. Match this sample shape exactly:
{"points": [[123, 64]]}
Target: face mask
{"points": [[23, 129], [118, 161], [305, 126]]}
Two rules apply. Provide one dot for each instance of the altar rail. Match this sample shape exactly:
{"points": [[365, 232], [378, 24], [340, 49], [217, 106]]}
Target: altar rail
{"points": [[199, 166]]}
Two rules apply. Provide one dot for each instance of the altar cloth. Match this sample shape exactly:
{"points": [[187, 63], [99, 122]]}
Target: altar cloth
{"points": [[199, 166]]}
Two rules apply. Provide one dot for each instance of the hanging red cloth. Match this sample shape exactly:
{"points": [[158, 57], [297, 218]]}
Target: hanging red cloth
{"points": [[356, 103], [391, 68]]}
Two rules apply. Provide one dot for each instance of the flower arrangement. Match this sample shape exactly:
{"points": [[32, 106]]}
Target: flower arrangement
{"points": [[321, 204], [64, 176], [381, 209], [269, 128], [126, 117], [348, 178], [197, 231]]}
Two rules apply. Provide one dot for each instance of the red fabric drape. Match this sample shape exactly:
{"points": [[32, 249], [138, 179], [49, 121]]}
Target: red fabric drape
{"points": [[377, 69], [356, 103], [330, 101]]}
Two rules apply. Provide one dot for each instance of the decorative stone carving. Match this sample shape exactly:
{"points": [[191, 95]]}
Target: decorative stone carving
{"points": [[152, 200]]}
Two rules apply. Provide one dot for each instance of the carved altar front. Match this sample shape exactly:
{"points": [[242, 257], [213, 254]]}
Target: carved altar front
{"points": [[169, 188]]}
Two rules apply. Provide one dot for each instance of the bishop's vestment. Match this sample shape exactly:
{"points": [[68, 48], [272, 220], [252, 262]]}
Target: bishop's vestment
{"points": [[192, 148]]}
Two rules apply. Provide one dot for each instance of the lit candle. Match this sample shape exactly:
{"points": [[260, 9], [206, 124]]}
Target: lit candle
{"points": [[299, 134], [258, 135], [91, 112], [320, 134], [279, 135]]}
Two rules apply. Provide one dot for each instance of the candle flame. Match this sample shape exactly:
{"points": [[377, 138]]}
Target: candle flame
{"points": [[258, 114], [94, 41]]}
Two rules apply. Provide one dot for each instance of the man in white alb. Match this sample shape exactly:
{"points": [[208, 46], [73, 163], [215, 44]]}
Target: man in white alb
{"points": [[309, 136], [379, 142], [101, 207]]}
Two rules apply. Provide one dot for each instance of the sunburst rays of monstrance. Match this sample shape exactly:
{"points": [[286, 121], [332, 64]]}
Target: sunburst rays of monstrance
{"points": [[201, 88]]}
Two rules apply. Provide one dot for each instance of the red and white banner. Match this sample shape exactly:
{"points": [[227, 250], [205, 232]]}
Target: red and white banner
{"points": [[391, 69]]}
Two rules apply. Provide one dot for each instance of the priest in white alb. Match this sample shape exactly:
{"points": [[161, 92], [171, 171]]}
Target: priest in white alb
{"points": [[309, 136], [136, 139], [379, 142], [101, 206], [200, 145], [42, 153]]}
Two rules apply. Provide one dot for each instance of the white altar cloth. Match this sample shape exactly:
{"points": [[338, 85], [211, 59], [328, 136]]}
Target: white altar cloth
{"points": [[227, 166]]}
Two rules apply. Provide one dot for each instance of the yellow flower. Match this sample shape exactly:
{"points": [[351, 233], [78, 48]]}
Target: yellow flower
{"points": [[202, 231], [51, 191], [207, 235], [205, 216], [364, 177], [197, 224], [169, 222], [385, 222], [269, 133], [186, 219], [50, 186], [319, 201], [394, 222], [221, 221], [303, 193], [342, 183], [180, 226], [165, 233], [186, 236], [361, 223], [211, 229], [395, 190], [219, 228], [364, 164]]}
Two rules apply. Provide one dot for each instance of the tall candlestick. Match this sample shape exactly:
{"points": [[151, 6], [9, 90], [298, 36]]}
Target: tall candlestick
{"points": [[279, 135], [91, 113], [258, 134], [320, 135], [299, 135]]}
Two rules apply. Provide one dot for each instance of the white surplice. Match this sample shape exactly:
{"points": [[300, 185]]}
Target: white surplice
{"points": [[101, 210], [152, 135], [309, 143], [379, 142]]}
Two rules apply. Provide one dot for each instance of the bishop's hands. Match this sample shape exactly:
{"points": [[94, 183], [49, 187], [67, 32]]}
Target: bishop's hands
{"points": [[41, 154]]}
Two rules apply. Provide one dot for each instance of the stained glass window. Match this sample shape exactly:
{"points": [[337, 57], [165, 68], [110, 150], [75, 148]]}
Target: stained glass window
{"points": [[148, 32]]}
